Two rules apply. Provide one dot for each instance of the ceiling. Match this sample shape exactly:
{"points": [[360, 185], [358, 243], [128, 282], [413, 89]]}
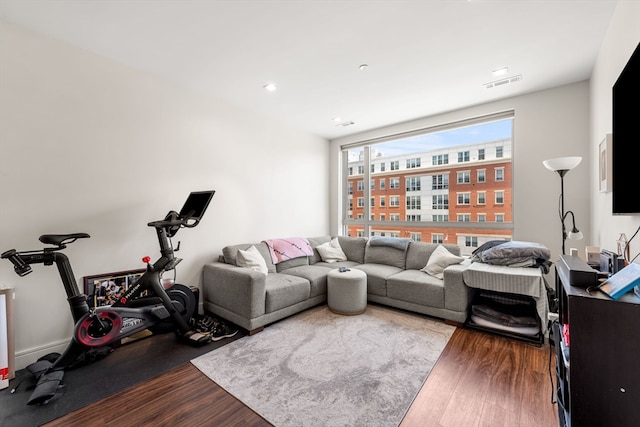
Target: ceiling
{"points": [[424, 56]]}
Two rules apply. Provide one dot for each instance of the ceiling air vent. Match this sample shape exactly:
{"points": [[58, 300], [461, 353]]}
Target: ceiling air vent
{"points": [[503, 82]]}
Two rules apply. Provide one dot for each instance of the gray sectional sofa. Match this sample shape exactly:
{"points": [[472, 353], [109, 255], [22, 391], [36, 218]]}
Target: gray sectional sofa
{"points": [[252, 299]]}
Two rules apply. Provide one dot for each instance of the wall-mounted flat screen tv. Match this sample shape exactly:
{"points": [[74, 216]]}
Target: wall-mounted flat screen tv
{"points": [[625, 179]]}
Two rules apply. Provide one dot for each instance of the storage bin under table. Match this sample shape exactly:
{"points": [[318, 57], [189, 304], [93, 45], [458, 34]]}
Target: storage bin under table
{"points": [[525, 281], [347, 291]]}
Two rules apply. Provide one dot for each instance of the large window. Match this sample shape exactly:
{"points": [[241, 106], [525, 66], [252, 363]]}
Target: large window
{"points": [[428, 196]]}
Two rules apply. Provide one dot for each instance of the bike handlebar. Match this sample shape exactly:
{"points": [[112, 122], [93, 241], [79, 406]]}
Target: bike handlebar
{"points": [[19, 266]]}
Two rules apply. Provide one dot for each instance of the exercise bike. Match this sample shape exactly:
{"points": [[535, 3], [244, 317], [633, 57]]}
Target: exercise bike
{"points": [[146, 304]]}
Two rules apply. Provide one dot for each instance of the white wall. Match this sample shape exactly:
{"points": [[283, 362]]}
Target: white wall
{"points": [[622, 38], [547, 124], [89, 145]]}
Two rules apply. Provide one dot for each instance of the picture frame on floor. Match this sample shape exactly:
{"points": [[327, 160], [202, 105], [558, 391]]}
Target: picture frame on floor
{"points": [[104, 289]]}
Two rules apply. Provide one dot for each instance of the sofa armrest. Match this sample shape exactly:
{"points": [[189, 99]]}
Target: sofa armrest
{"points": [[456, 292], [240, 290]]}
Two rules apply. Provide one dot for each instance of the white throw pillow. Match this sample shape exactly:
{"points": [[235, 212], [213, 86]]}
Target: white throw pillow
{"points": [[331, 251], [252, 259], [440, 259]]}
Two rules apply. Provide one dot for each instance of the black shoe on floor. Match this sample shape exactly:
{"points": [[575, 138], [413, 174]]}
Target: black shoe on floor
{"points": [[221, 331]]}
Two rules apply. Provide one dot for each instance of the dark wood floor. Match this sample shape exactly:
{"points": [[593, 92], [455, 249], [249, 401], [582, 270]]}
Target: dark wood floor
{"points": [[479, 380]]}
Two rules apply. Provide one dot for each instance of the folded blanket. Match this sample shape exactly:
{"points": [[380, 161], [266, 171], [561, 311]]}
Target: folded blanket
{"points": [[514, 254], [284, 249], [393, 242]]}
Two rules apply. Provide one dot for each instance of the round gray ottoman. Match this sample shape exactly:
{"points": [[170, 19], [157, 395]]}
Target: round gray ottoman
{"points": [[347, 291]]}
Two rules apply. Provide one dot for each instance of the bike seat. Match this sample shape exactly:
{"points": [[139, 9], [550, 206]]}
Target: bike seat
{"points": [[60, 239]]}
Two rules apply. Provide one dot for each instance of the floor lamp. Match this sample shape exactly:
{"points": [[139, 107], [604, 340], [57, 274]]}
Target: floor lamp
{"points": [[562, 165]]}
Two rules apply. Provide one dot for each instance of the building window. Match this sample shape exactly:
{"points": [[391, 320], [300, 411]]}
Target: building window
{"points": [[482, 197], [499, 197], [481, 154], [499, 152], [482, 175], [360, 202], [464, 177], [413, 202], [440, 182], [360, 185], [482, 217], [499, 217], [394, 217], [395, 165], [383, 183], [416, 237], [360, 170], [440, 159], [373, 168], [413, 183], [440, 218], [463, 156], [437, 238], [464, 198], [394, 182], [350, 188], [382, 167], [414, 218], [499, 174], [440, 201], [372, 184], [413, 163], [394, 201], [373, 202], [464, 217], [471, 242], [382, 201]]}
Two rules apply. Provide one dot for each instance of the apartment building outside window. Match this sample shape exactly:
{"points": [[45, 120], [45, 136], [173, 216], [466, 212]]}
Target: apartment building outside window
{"points": [[464, 177], [478, 145], [413, 183], [463, 156]]}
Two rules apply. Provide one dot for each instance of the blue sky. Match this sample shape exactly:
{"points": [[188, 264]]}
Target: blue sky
{"points": [[459, 136]]}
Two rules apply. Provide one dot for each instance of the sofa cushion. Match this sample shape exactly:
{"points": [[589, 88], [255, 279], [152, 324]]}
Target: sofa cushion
{"points": [[419, 253], [440, 259], [315, 274], [353, 247], [416, 287], [290, 263], [377, 277], [230, 254], [283, 290], [251, 259], [387, 255]]}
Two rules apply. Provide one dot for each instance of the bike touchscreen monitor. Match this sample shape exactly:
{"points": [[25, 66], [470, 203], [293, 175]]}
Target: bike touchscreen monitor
{"points": [[197, 202]]}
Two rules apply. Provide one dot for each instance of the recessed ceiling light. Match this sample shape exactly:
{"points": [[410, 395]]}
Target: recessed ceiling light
{"points": [[271, 87], [363, 67], [500, 71], [336, 119]]}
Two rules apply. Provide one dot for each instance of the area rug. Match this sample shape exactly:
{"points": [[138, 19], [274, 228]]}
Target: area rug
{"points": [[318, 368]]}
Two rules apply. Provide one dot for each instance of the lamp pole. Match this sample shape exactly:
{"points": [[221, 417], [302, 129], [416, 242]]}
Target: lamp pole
{"points": [[562, 173]]}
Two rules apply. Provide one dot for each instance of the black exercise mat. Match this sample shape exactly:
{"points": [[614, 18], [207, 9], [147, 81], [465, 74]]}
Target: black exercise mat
{"points": [[126, 366]]}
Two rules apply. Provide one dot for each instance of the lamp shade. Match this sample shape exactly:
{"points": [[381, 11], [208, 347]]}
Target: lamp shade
{"points": [[562, 163]]}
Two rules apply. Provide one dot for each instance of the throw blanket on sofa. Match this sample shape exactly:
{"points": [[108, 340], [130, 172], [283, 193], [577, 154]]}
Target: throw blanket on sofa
{"points": [[285, 249], [514, 254]]}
